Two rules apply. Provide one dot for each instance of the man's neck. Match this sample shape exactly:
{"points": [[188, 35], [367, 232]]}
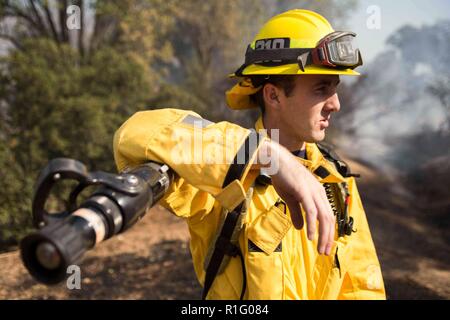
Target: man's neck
{"points": [[288, 141]]}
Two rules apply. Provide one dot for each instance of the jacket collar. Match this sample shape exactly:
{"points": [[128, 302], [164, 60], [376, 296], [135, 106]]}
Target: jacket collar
{"points": [[314, 161]]}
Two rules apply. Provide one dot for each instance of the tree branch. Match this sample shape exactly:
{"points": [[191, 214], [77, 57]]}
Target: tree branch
{"points": [[81, 31], [62, 21], [12, 40], [50, 21], [14, 11], [39, 21], [104, 30]]}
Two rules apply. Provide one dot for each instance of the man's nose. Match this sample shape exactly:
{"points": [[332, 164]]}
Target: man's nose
{"points": [[333, 103]]}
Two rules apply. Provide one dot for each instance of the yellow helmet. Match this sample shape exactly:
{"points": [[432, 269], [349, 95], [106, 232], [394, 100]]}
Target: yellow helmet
{"points": [[295, 42]]}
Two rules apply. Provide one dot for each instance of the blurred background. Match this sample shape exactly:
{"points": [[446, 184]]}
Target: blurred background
{"points": [[69, 76]]}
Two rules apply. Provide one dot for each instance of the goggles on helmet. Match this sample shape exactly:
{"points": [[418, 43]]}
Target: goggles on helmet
{"points": [[336, 50]]}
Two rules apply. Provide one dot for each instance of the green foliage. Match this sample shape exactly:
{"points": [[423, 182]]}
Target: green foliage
{"points": [[64, 106], [61, 106], [15, 198]]}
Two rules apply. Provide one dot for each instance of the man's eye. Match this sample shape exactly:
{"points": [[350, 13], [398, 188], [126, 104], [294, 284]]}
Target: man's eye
{"points": [[321, 90]]}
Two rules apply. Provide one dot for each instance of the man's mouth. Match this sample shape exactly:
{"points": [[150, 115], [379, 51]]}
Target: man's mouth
{"points": [[324, 123]]}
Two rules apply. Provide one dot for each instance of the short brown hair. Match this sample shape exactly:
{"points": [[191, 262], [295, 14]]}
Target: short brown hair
{"points": [[285, 82]]}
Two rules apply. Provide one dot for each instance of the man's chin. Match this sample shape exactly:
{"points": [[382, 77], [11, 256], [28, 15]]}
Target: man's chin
{"points": [[317, 137]]}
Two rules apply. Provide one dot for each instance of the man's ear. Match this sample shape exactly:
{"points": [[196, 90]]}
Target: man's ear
{"points": [[271, 95]]}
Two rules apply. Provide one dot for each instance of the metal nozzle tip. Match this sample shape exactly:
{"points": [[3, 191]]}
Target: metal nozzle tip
{"points": [[48, 256]]}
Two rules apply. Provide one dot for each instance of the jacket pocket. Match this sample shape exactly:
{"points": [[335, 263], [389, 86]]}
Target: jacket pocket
{"points": [[329, 274], [264, 260], [268, 229]]}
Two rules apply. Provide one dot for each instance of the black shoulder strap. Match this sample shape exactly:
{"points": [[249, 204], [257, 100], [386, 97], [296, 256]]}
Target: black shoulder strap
{"points": [[224, 246], [341, 166]]}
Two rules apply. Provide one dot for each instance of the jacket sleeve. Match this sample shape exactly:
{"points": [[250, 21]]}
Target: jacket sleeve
{"points": [[208, 156]]}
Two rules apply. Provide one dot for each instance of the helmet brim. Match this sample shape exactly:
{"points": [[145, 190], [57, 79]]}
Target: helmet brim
{"points": [[294, 69]]}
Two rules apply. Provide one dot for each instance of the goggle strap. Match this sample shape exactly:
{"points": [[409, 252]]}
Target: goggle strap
{"points": [[273, 57], [285, 55]]}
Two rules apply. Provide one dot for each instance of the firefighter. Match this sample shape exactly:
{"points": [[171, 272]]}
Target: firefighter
{"points": [[272, 213]]}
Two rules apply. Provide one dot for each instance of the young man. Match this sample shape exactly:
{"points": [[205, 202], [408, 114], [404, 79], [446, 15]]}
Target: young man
{"points": [[283, 219]]}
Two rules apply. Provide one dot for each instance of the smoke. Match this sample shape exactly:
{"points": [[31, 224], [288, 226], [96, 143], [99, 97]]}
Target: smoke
{"points": [[394, 99]]}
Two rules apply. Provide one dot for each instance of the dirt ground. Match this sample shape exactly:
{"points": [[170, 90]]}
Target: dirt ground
{"points": [[152, 260], [412, 240]]}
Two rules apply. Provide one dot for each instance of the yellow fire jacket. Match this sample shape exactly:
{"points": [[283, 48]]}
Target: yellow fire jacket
{"points": [[281, 263]]}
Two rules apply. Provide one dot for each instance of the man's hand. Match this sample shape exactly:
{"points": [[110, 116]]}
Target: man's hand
{"points": [[297, 186]]}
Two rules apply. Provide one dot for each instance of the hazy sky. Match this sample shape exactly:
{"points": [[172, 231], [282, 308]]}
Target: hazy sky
{"points": [[393, 14]]}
